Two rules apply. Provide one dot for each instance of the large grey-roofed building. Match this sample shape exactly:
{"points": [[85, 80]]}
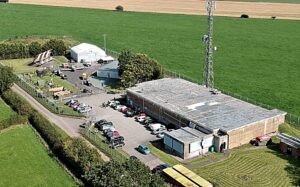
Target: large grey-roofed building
{"points": [[182, 103]]}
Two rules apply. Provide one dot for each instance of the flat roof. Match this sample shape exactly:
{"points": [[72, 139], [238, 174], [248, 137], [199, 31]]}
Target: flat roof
{"points": [[197, 104], [187, 135], [112, 66]]}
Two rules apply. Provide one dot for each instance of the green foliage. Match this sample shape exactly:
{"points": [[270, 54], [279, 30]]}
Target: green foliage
{"points": [[26, 162], [136, 68], [124, 58], [6, 78], [12, 51], [76, 154], [58, 47], [80, 156], [130, 173], [13, 120], [35, 48], [17, 103]]}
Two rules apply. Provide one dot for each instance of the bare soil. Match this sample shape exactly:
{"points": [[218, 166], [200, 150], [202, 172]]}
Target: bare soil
{"points": [[194, 7]]}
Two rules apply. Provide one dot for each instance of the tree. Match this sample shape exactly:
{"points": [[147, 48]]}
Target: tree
{"points": [[6, 78], [124, 58], [130, 173], [35, 48], [58, 47], [138, 68]]}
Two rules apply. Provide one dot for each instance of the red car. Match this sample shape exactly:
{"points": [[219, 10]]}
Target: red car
{"points": [[124, 110], [75, 105], [140, 115]]}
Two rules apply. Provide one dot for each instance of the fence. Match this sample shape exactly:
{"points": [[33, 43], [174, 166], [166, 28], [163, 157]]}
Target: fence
{"points": [[51, 105], [289, 118], [99, 141]]}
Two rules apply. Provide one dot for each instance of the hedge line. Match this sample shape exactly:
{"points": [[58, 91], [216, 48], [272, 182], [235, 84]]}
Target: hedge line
{"points": [[13, 120], [76, 155], [20, 50]]}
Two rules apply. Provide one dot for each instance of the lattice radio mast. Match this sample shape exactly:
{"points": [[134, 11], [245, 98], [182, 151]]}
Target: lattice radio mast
{"points": [[208, 72]]}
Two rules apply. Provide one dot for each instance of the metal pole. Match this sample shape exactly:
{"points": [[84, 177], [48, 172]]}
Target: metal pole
{"points": [[104, 37]]}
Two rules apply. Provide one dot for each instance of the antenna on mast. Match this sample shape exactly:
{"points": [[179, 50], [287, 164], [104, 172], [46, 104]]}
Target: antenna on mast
{"points": [[208, 72]]}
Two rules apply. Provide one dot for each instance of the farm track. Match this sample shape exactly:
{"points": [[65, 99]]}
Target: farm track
{"points": [[193, 7]]}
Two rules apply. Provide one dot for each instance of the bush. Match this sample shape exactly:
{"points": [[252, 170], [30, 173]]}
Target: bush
{"points": [[119, 8], [13, 51], [244, 16], [58, 47], [17, 103], [13, 120], [35, 48]]}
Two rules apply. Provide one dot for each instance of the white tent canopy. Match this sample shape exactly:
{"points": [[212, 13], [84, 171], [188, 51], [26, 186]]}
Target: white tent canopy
{"points": [[87, 53]]}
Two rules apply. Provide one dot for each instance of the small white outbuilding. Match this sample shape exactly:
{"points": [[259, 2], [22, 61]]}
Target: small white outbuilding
{"points": [[85, 52]]}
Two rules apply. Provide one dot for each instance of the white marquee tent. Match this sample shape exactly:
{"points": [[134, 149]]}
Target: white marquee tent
{"points": [[87, 53]]}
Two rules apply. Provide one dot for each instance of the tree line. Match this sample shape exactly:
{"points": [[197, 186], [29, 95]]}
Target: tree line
{"points": [[20, 50], [136, 68]]}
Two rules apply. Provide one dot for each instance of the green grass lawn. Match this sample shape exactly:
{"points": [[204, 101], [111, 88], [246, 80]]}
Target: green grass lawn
{"points": [[256, 58], [262, 167], [290, 130], [25, 162], [5, 110], [20, 65]]}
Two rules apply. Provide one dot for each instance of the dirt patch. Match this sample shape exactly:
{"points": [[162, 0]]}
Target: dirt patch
{"points": [[194, 7]]}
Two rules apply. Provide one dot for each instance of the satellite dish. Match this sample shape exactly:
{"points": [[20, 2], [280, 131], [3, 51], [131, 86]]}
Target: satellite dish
{"points": [[205, 38]]}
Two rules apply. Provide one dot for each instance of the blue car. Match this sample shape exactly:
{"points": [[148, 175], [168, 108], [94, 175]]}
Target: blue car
{"points": [[143, 149]]}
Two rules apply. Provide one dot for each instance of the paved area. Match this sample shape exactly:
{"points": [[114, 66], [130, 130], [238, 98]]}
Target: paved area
{"points": [[74, 77], [133, 132], [67, 124]]}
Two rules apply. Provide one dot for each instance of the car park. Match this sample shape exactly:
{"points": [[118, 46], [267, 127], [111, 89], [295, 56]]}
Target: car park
{"points": [[143, 149]]}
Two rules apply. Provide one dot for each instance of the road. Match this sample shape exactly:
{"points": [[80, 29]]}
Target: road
{"points": [[124, 125], [67, 124]]}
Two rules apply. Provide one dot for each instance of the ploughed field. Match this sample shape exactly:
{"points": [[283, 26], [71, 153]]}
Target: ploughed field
{"points": [[255, 58]]}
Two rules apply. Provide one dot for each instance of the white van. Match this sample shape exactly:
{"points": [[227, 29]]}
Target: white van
{"points": [[156, 126]]}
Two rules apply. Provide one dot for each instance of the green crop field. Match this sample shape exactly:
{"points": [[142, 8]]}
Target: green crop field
{"points": [[262, 167], [5, 110], [256, 58], [25, 162]]}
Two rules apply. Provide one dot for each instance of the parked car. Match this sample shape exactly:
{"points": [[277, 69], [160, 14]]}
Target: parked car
{"points": [[113, 104], [155, 126], [158, 169], [70, 102], [118, 107], [141, 119], [111, 134], [100, 123], [107, 128], [81, 105], [158, 131], [105, 125], [140, 114], [130, 113], [143, 149], [133, 158], [85, 109], [117, 144], [148, 120], [74, 105], [122, 108], [160, 135]]}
